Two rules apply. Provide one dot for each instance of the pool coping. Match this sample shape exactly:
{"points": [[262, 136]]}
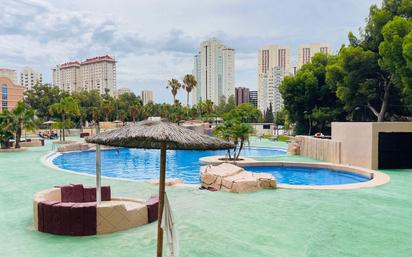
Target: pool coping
{"points": [[377, 178], [47, 160]]}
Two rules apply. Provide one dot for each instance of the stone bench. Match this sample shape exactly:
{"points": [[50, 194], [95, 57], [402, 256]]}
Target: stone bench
{"points": [[72, 210], [232, 178]]}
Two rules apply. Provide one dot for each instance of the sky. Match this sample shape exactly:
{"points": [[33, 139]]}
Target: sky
{"points": [[155, 40]]}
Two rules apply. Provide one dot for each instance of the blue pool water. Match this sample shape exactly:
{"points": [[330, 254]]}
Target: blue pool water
{"points": [[144, 164], [308, 176]]}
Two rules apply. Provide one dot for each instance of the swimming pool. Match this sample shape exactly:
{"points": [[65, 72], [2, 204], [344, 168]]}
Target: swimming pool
{"points": [[293, 175], [141, 164]]}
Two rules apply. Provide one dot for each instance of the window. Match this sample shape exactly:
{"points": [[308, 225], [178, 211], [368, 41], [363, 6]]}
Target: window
{"points": [[266, 126], [4, 94]]}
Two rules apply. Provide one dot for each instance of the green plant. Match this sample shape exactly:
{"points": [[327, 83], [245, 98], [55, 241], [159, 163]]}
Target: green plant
{"points": [[235, 131]]}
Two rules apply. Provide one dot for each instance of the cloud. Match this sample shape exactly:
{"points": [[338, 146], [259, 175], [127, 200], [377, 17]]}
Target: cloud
{"points": [[156, 40]]}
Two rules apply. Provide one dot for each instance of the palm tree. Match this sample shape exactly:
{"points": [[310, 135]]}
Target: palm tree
{"points": [[6, 129], [189, 83], [107, 108], [68, 106], [235, 131], [122, 116], [22, 117], [134, 111], [174, 86]]}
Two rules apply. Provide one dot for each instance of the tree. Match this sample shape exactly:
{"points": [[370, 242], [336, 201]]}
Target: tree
{"points": [[41, 96], [245, 112], [189, 83], [107, 108], [269, 114], [231, 104], [134, 111], [6, 129], [355, 77], [235, 131], [22, 117], [309, 91], [174, 86], [385, 38], [66, 108]]}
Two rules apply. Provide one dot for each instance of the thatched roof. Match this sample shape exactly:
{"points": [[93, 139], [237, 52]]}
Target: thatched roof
{"points": [[151, 134]]}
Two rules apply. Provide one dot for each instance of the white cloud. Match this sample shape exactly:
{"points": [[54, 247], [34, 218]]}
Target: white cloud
{"points": [[155, 40]]}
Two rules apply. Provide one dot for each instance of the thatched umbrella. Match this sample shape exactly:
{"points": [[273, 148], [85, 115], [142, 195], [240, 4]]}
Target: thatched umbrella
{"points": [[161, 135]]}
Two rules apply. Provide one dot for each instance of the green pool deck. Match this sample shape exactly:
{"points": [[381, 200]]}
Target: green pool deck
{"points": [[375, 222]]}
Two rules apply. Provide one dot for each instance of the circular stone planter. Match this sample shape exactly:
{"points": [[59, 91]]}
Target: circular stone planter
{"points": [[377, 178]]}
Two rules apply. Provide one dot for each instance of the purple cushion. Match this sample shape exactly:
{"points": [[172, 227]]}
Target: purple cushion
{"points": [[67, 194], [152, 208], [64, 212], [55, 226], [106, 193], [89, 194], [89, 219], [76, 220], [47, 209], [77, 193], [72, 193], [40, 217]]}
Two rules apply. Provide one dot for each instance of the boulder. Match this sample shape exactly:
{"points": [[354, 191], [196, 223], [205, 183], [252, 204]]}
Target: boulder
{"points": [[232, 178]]}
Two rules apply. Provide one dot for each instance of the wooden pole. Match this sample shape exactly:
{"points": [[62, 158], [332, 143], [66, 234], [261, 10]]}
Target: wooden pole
{"points": [[161, 199], [98, 171]]}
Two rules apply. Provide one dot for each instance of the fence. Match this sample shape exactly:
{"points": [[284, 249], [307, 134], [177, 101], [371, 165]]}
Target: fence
{"points": [[320, 149]]}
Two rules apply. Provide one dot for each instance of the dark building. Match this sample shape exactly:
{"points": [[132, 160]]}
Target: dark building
{"points": [[241, 95], [253, 98]]}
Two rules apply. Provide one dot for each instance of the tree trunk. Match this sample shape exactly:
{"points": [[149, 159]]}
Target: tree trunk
{"points": [[240, 149], [187, 100], [18, 136], [63, 127], [385, 101]]}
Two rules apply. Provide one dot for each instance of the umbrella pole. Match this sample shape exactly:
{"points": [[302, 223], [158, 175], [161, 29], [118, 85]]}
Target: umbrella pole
{"points": [[98, 171], [161, 199]]}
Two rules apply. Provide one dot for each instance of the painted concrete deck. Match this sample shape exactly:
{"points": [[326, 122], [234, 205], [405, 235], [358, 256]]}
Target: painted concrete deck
{"points": [[285, 223]]}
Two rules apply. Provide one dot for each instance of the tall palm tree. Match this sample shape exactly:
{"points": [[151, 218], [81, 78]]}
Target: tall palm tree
{"points": [[174, 86], [107, 108], [189, 83], [68, 106], [134, 111], [23, 117]]}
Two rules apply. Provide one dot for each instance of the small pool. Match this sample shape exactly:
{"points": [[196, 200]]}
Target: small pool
{"points": [[141, 164], [309, 176]]}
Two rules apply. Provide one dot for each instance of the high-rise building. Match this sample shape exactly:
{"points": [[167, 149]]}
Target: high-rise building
{"points": [[10, 94], [147, 96], [30, 77], [270, 90], [253, 97], [241, 95], [122, 90], [66, 76], [306, 52], [9, 73], [273, 65], [97, 73], [214, 70]]}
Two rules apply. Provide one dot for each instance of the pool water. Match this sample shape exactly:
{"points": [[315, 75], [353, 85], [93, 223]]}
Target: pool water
{"points": [[141, 164], [308, 176]]}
